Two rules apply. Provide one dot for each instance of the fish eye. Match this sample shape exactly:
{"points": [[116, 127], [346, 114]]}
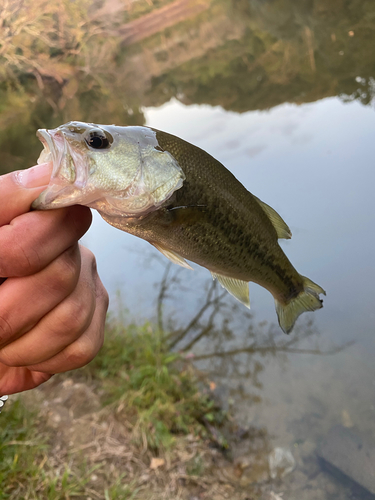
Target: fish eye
{"points": [[97, 139]]}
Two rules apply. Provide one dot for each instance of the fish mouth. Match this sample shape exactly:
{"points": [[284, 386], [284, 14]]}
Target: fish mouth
{"points": [[49, 151], [67, 180]]}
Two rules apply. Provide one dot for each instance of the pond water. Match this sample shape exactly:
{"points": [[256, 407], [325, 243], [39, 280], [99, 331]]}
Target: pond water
{"points": [[313, 163], [282, 96]]}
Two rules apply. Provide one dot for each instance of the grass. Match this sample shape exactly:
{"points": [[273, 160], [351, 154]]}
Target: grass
{"points": [[21, 448], [157, 389], [25, 469], [134, 424]]}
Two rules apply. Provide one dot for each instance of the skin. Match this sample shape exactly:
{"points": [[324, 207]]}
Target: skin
{"points": [[52, 304]]}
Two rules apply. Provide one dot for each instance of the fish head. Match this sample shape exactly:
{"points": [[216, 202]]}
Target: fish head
{"points": [[117, 170]]}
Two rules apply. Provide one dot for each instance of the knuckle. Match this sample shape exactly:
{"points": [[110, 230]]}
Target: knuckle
{"points": [[66, 272], [17, 259], [102, 294], [6, 330], [105, 298], [81, 353], [94, 267], [75, 315], [89, 258], [9, 357], [79, 218], [4, 359]]}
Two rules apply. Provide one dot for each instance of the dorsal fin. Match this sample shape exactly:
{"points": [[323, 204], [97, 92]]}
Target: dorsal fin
{"points": [[172, 256], [282, 229], [238, 288]]}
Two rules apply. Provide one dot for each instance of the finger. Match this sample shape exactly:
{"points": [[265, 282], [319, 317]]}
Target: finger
{"points": [[34, 239], [23, 301], [83, 350], [13, 380], [19, 189], [61, 326]]}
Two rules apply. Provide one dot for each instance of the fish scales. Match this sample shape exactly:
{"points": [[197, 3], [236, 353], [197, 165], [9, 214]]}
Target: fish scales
{"points": [[180, 199], [231, 234]]}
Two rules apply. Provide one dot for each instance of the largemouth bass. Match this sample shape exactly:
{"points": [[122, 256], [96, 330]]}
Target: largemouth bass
{"points": [[181, 200]]}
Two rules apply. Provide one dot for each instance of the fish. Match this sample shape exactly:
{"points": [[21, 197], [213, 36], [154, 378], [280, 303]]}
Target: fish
{"points": [[181, 200]]}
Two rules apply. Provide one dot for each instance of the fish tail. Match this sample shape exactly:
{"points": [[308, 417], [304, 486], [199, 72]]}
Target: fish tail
{"points": [[307, 300]]}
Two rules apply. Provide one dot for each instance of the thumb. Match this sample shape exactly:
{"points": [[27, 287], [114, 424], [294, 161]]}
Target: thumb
{"points": [[19, 189]]}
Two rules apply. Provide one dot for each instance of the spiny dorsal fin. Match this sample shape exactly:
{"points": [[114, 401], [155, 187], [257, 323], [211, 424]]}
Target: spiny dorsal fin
{"points": [[282, 229], [238, 288], [172, 256]]}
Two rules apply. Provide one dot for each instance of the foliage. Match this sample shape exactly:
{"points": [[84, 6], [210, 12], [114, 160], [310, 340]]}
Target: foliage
{"points": [[47, 39], [154, 387], [140, 8], [288, 51]]}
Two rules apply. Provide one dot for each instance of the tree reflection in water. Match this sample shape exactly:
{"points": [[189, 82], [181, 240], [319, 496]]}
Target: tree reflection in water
{"points": [[230, 349], [222, 337], [218, 319]]}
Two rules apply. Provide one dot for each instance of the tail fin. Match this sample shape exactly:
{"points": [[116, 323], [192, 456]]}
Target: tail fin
{"points": [[307, 300]]}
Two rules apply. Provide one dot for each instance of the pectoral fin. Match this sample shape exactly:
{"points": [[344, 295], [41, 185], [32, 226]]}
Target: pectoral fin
{"points": [[282, 229], [172, 256], [187, 215], [238, 288]]}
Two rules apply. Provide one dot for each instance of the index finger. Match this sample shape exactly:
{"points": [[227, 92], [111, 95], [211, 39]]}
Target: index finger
{"points": [[20, 188]]}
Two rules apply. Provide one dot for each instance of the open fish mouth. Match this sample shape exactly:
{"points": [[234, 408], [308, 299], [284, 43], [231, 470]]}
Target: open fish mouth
{"points": [[66, 179], [56, 150], [49, 153]]}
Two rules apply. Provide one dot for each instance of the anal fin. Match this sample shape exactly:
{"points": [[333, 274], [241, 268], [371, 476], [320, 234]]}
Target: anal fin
{"points": [[172, 256], [238, 288], [281, 227]]}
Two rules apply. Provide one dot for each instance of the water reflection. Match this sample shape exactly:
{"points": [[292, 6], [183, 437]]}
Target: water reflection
{"points": [[215, 322], [106, 66], [226, 342]]}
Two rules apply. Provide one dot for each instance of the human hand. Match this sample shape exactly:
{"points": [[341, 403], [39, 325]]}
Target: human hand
{"points": [[52, 304]]}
